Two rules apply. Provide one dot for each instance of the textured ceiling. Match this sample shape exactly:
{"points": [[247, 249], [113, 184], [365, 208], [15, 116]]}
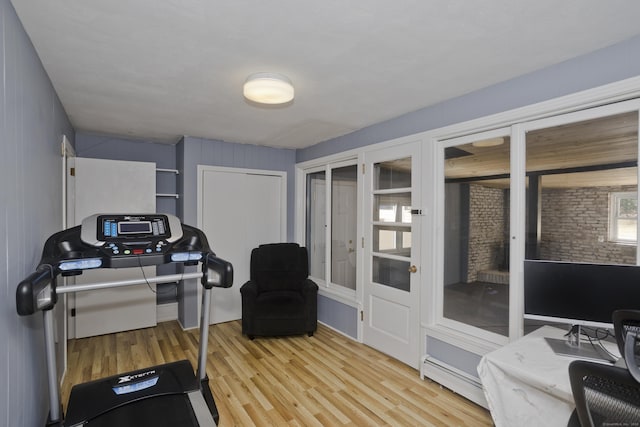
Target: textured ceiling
{"points": [[158, 69]]}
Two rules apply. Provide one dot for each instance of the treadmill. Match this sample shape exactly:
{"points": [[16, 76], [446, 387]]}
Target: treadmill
{"points": [[164, 395]]}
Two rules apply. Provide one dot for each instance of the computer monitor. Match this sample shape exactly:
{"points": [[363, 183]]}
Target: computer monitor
{"points": [[581, 294]]}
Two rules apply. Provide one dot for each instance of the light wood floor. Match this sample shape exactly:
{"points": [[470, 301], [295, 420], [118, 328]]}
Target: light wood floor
{"points": [[326, 379]]}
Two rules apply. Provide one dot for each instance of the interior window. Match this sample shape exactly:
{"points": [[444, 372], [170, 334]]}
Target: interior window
{"points": [[331, 227], [316, 223], [476, 234], [344, 196], [581, 192], [623, 217], [581, 200]]}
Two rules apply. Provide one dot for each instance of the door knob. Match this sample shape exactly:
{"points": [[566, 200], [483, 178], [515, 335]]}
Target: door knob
{"points": [[413, 269]]}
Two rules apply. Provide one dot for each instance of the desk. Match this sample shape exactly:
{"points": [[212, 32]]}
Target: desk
{"points": [[527, 384]]}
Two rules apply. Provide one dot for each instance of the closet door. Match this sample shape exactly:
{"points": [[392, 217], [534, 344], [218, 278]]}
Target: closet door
{"points": [[110, 186], [239, 210]]}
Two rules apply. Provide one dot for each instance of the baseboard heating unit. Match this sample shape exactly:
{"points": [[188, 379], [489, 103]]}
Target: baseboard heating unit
{"points": [[453, 378]]}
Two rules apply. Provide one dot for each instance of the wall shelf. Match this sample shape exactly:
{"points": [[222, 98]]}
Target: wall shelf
{"points": [[170, 195], [176, 171]]}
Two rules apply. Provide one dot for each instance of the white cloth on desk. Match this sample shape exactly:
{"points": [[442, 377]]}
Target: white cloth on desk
{"points": [[526, 383]]}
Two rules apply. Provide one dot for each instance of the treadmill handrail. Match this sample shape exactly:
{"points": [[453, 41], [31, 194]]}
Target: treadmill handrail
{"points": [[30, 289], [222, 270], [120, 283]]}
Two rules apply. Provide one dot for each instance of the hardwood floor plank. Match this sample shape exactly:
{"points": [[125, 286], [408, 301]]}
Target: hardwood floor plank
{"points": [[324, 380], [330, 410]]}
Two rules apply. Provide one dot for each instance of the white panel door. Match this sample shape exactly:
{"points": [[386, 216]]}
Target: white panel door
{"points": [[103, 186], [391, 291], [239, 210]]}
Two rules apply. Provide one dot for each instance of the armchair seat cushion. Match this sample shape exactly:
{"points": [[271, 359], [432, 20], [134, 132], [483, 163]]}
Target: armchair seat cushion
{"points": [[280, 304]]}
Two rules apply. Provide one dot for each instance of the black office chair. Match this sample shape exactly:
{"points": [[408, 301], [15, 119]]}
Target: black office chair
{"points": [[604, 395], [626, 325], [279, 298]]}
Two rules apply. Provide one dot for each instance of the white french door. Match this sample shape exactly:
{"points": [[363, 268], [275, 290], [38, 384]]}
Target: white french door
{"points": [[391, 291]]}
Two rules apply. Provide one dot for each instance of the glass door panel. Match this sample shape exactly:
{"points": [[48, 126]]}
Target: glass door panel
{"points": [[391, 272], [476, 236], [391, 228], [316, 224], [344, 196], [393, 174]]}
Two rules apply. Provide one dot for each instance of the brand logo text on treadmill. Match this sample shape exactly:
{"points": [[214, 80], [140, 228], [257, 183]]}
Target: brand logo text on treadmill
{"points": [[128, 378]]}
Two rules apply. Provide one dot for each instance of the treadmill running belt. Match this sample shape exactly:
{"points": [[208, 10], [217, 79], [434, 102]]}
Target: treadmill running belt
{"points": [[160, 411]]}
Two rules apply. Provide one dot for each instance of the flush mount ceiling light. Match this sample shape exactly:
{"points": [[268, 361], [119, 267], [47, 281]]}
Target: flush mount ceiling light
{"points": [[268, 88], [491, 142]]}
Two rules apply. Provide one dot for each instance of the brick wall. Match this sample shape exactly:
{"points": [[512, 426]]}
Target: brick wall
{"points": [[575, 226], [487, 228]]}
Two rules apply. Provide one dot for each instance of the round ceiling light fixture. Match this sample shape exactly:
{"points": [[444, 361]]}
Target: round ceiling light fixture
{"points": [[268, 88], [491, 142]]}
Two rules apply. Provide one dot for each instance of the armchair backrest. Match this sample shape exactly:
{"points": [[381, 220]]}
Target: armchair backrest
{"points": [[279, 266]]}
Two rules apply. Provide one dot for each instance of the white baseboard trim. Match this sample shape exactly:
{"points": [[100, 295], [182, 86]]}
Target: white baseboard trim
{"points": [[455, 380], [167, 312]]}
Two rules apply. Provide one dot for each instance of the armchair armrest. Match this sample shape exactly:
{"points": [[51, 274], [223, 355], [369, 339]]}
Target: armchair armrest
{"points": [[250, 289], [309, 287]]}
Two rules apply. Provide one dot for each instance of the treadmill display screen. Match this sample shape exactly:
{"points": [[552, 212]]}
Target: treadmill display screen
{"points": [[118, 227], [141, 385], [134, 227]]}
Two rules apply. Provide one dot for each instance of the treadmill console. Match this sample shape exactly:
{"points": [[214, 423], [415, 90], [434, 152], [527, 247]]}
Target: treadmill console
{"points": [[122, 241], [118, 227], [119, 241], [126, 235]]}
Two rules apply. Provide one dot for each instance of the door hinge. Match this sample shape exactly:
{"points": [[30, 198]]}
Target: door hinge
{"points": [[363, 169], [73, 312], [362, 243], [72, 171], [361, 315]]}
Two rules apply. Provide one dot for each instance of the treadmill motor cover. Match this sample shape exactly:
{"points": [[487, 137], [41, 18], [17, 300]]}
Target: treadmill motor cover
{"points": [[152, 396]]}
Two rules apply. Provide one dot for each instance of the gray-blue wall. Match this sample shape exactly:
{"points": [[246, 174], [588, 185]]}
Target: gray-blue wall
{"points": [[598, 68], [32, 122], [340, 316]]}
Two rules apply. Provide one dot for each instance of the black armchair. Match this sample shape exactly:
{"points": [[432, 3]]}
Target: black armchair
{"points": [[279, 298], [603, 394]]}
